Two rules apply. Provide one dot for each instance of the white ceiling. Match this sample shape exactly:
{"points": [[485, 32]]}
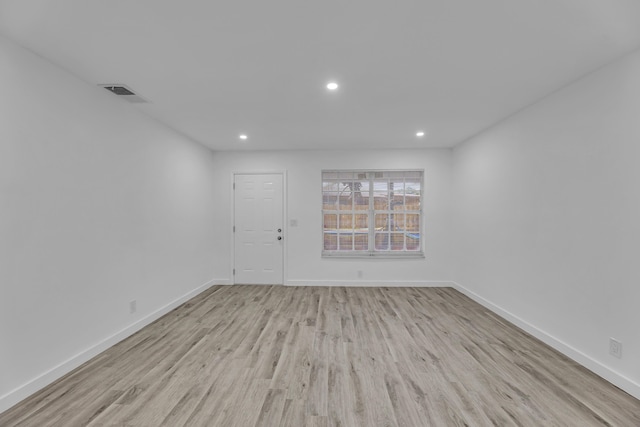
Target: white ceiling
{"points": [[213, 69]]}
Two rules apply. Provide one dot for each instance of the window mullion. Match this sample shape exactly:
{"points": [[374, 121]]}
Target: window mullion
{"points": [[372, 216]]}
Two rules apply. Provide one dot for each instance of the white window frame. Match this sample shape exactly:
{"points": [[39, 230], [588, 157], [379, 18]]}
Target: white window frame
{"points": [[370, 176]]}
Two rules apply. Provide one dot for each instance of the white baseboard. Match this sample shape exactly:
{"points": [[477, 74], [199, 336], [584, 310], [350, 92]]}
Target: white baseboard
{"points": [[15, 396], [373, 283], [583, 359], [223, 282]]}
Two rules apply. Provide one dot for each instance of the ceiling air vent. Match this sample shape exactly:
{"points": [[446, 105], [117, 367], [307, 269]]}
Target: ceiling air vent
{"points": [[124, 92]]}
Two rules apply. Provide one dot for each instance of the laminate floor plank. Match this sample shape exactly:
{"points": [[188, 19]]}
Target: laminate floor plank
{"points": [[272, 408], [317, 356], [340, 404], [317, 395], [299, 369], [292, 413], [222, 391]]}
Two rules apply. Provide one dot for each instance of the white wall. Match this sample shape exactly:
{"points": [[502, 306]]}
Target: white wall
{"points": [[304, 242], [99, 205], [547, 219]]}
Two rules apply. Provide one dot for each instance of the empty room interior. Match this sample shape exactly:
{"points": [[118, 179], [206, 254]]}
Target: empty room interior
{"points": [[364, 213]]}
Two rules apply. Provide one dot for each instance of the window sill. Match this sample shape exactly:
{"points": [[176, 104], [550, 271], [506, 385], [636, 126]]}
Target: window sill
{"points": [[377, 255]]}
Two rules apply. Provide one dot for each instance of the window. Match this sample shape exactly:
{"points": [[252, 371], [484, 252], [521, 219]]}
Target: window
{"points": [[372, 213]]}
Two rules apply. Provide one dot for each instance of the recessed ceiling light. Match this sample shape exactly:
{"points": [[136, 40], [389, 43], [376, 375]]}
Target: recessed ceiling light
{"points": [[332, 85], [243, 136], [420, 134]]}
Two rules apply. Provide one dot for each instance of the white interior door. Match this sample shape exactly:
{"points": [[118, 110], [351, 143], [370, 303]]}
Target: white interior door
{"points": [[259, 231]]}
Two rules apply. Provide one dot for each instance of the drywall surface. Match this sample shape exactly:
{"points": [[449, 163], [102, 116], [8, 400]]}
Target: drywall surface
{"points": [[99, 206], [304, 264], [547, 209]]}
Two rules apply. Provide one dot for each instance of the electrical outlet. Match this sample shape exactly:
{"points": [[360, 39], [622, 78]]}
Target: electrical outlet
{"points": [[133, 306], [615, 348]]}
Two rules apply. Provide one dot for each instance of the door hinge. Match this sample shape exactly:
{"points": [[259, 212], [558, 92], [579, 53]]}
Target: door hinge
{"points": [[234, 271], [234, 185], [234, 228]]}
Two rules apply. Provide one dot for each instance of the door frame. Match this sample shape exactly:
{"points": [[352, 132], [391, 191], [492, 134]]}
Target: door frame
{"points": [[285, 221]]}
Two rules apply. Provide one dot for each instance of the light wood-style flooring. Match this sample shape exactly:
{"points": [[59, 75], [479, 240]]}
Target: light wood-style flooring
{"points": [[309, 356]]}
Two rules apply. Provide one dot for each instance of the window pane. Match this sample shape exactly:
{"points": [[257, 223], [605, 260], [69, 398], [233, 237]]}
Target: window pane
{"points": [[345, 242], [397, 186], [397, 241], [365, 188], [381, 203], [346, 196], [356, 192], [330, 241], [331, 186], [412, 202], [330, 221], [329, 200], [361, 195], [361, 242], [361, 222], [345, 202], [413, 241], [382, 222], [397, 221], [397, 203], [381, 195], [412, 223], [412, 196], [382, 241], [346, 222], [411, 187]]}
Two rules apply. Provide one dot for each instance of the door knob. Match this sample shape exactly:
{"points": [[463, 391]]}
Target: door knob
{"points": [[279, 237], [279, 230]]}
